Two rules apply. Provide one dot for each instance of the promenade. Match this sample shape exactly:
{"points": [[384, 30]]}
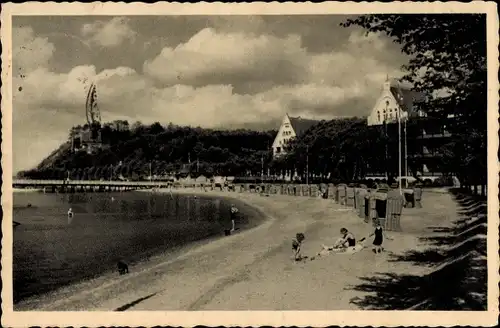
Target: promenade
{"points": [[254, 270]]}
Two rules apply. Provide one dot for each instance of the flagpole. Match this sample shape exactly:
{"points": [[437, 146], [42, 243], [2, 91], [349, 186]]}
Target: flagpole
{"points": [[399, 152], [406, 154], [262, 169], [307, 165]]}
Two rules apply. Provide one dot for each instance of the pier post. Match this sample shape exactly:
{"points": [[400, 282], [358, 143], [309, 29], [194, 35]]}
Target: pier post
{"points": [[197, 208]]}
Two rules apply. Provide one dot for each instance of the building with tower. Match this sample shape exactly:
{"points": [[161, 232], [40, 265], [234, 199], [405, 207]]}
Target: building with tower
{"points": [[421, 136]]}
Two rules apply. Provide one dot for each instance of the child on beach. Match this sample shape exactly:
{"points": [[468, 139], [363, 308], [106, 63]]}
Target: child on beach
{"points": [[234, 211], [345, 241], [296, 245], [379, 237]]}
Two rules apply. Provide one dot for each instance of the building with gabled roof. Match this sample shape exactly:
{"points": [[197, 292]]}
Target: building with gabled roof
{"points": [[422, 140], [394, 100], [291, 127]]}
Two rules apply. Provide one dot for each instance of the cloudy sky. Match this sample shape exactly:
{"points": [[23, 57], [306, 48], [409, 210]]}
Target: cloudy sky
{"points": [[209, 71]]}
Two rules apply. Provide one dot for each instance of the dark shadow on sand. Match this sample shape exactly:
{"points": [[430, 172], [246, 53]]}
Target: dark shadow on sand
{"points": [[458, 280]]}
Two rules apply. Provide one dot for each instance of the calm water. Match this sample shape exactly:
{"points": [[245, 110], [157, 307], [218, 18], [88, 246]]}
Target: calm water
{"points": [[51, 250]]}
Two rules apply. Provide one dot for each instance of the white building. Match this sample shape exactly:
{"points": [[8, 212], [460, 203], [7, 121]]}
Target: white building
{"points": [[291, 127], [394, 100]]}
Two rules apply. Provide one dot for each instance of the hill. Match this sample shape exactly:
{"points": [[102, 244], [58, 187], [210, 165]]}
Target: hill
{"points": [[160, 150]]}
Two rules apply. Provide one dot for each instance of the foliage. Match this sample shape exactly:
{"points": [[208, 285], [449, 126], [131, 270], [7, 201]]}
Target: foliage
{"points": [[166, 150], [447, 53], [341, 149]]}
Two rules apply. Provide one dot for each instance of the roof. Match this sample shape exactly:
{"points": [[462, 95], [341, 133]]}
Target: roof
{"points": [[406, 98], [301, 125]]}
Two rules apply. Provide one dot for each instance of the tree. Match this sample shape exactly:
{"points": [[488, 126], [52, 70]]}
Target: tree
{"points": [[447, 52]]}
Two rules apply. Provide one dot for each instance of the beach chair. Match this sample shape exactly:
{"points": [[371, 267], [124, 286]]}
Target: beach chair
{"points": [[299, 190], [331, 191], [395, 203], [313, 190], [360, 202], [305, 190], [417, 194], [268, 188], [342, 193], [370, 207], [325, 192], [334, 194], [350, 196], [409, 195]]}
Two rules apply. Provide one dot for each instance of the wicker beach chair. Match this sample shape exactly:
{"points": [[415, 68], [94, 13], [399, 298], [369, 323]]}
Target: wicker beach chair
{"points": [[335, 194], [409, 195], [313, 191], [350, 196], [360, 202], [305, 190], [370, 206], [395, 203], [331, 191], [417, 193], [342, 194]]}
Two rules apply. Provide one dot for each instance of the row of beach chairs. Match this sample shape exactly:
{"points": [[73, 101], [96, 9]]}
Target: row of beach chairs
{"points": [[383, 203]]}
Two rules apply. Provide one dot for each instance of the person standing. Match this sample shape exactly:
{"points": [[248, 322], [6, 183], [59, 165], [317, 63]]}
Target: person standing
{"points": [[233, 215], [379, 237]]}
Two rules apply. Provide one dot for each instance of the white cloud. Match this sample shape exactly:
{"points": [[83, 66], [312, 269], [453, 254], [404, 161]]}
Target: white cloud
{"points": [[210, 57], [109, 33], [199, 85], [29, 52]]}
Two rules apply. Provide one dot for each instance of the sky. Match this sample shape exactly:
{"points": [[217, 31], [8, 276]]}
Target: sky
{"points": [[211, 71]]}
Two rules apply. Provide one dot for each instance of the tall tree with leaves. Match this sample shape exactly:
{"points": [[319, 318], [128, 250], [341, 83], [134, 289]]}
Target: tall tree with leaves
{"points": [[447, 52]]}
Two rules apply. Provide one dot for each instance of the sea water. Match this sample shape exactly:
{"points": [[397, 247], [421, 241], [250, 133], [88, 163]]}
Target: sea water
{"points": [[51, 249]]}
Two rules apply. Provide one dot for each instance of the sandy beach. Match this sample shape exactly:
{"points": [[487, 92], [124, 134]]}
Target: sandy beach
{"points": [[254, 270]]}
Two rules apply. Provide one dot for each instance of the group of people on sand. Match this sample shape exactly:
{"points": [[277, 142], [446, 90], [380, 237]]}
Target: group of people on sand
{"points": [[346, 242]]}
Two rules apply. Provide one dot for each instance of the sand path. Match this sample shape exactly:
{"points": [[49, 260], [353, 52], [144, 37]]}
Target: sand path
{"points": [[253, 270]]}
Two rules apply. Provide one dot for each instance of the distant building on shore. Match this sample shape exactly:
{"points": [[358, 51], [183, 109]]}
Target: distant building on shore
{"points": [[291, 127], [120, 125], [84, 138], [423, 138]]}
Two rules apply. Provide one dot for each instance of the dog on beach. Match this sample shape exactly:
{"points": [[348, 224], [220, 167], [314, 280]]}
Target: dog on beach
{"points": [[122, 267]]}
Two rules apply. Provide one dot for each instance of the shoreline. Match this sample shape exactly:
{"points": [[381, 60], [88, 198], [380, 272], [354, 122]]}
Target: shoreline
{"points": [[253, 270], [149, 260]]}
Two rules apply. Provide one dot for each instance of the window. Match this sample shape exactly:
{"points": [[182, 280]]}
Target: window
{"points": [[278, 150], [378, 115]]}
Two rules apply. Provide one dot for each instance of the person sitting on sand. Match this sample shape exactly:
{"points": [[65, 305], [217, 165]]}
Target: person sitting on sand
{"points": [[296, 245], [379, 237], [346, 240]]}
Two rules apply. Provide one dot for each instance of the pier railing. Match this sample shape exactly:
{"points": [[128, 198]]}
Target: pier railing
{"points": [[47, 183]]}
